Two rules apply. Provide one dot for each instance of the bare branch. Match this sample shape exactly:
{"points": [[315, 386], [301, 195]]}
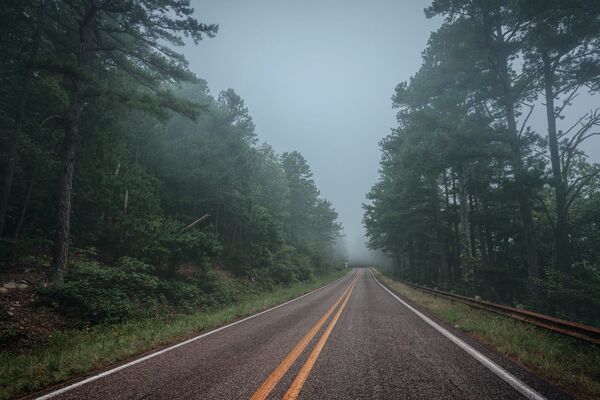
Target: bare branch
{"points": [[531, 106], [202, 218], [577, 186], [567, 101]]}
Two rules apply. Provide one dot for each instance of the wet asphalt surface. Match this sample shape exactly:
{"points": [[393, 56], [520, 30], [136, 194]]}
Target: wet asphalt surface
{"points": [[378, 349]]}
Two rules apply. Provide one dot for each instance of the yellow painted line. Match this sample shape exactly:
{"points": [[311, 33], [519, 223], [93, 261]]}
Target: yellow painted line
{"points": [[296, 386], [270, 383]]}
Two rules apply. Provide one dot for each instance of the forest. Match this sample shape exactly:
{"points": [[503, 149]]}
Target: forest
{"points": [[154, 245], [470, 198], [127, 187]]}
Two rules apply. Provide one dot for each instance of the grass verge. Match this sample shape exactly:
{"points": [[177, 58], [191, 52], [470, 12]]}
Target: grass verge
{"points": [[72, 353], [568, 363]]}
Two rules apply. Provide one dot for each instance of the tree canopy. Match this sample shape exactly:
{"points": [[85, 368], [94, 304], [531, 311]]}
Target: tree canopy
{"points": [[115, 147], [470, 198]]}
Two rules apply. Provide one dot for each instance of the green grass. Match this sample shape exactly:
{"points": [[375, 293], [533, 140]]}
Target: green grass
{"points": [[566, 362], [72, 353]]}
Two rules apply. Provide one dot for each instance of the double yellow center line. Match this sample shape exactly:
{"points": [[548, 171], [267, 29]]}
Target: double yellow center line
{"points": [[269, 384]]}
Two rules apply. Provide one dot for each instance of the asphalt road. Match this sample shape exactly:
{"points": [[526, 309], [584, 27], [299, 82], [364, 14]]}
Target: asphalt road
{"points": [[350, 340]]}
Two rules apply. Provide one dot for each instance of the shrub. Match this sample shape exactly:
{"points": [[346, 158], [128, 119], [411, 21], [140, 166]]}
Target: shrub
{"points": [[183, 295], [222, 289], [8, 334], [168, 245], [574, 296], [290, 266], [97, 293]]}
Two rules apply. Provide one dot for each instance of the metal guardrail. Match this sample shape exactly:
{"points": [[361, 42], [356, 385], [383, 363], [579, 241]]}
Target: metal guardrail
{"points": [[583, 332]]}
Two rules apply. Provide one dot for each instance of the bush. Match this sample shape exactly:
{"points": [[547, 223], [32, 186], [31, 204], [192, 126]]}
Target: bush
{"points": [[290, 266], [97, 293], [574, 296], [168, 245], [130, 288], [8, 334], [133, 265], [183, 295], [221, 288]]}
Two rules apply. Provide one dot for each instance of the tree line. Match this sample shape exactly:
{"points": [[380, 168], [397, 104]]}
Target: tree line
{"points": [[470, 198], [112, 144]]}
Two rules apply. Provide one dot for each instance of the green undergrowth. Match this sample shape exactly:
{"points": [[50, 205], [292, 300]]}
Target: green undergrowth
{"points": [[72, 353], [568, 363]]}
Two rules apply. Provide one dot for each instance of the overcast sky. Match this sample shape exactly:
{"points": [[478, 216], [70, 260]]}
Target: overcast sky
{"points": [[317, 77]]}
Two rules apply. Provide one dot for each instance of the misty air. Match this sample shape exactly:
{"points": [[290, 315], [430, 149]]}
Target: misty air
{"points": [[205, 199]]}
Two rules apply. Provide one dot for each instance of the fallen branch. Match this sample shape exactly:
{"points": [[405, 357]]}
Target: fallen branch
{"points": [[202, 218]]}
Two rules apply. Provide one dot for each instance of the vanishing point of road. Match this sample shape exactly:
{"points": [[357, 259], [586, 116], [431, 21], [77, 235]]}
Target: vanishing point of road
{"points": [[352, 339]]}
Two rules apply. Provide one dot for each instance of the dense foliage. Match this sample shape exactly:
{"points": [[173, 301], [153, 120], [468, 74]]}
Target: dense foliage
{"points": [[470, 198], [112, 146]]}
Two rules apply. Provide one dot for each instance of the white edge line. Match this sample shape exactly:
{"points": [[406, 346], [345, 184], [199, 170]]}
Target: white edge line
{"points": [[149, 356], [495, 368]]}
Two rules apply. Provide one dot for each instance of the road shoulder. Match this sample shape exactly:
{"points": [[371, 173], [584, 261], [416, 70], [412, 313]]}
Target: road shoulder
{"points": [[502, 340]]}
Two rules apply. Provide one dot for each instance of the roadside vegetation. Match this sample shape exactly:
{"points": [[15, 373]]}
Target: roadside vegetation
{"points": [[570, 364], [71, 353], [126, 183]]}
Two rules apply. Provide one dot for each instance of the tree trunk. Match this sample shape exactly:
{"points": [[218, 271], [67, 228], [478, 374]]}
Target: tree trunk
{"points": [[562, 256], [490, 246], [472, 234], [482, 245], [523, 190], [523, 195], [442, 276], [411, 260], [124, 217], [65, 186], [446, 194], [9, 173], [465, 231], [466, 257], [76, 87], [456, 238]]}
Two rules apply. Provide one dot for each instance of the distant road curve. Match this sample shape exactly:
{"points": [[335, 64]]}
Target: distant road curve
{"points": [[352, 339]]}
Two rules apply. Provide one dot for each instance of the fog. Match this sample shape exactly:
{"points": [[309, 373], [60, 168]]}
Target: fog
{"points": [[317, 77], [135, 203]]}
